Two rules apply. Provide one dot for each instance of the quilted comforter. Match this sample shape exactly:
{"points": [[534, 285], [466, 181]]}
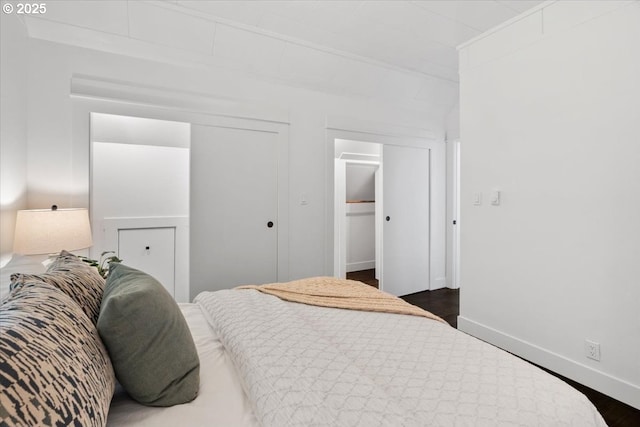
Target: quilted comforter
{"points": [[304, 365]]}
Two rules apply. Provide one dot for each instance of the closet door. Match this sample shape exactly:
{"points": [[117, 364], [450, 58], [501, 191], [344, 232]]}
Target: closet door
{"points": [[234, 208], [405, 220]]}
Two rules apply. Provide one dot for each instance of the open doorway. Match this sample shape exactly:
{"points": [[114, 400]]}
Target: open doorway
{"points": [[358, 197], [410, 207]]}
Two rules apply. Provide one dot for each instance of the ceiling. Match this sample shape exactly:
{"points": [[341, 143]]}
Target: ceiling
{"points": [[419, 36], [327, 44]]}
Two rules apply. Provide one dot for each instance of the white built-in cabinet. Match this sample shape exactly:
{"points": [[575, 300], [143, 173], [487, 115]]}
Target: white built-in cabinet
{"points": [[140, 196], [151, 250], [159, 246]]}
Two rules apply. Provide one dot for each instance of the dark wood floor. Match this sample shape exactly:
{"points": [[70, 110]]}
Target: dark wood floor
{"points": [[446, 304], [443, 302], [364, 276]]}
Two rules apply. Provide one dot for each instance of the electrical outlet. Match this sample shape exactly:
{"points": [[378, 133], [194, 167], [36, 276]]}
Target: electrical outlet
{"points": [[592, 350]]}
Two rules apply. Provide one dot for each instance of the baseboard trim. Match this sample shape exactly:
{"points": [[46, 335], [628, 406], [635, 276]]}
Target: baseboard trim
{"points": [[611, 386], [438, 283], [362, 265]]}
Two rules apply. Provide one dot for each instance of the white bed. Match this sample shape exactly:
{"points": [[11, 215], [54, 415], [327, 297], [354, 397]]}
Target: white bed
{"points": [[269, 362], [220, 402]]}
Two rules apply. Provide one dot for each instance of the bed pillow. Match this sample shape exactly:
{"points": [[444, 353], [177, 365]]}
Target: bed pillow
{"points": [[75, 278], [18, 264], [54, 369], [149, 342]]}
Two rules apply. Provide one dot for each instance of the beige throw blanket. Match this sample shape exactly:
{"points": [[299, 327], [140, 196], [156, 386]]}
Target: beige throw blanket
{"points": [[340, 293]]}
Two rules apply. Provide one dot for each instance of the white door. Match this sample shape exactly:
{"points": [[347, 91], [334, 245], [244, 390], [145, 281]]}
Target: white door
{"points": [[455, 269], [406, 220], [234, 208], [151, 250]]}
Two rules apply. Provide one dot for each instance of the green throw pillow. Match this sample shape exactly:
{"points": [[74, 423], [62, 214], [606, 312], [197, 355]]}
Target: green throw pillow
{"points": [[149, 342]]}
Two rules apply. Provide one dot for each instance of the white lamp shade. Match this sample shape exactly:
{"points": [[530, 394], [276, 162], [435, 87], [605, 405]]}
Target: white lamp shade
{"points": [[48, 231]]}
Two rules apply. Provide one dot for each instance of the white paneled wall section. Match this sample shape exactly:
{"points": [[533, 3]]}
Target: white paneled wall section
{"points": [[140, 195], [556, 263]]}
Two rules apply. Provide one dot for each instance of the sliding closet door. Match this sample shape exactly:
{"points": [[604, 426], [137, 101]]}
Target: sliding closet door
{"points": [[406, 220], [234, 208]]}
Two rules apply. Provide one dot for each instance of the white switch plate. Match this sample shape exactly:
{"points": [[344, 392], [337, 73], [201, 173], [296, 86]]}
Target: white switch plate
{"points": [[495, 197], [477, 199]]}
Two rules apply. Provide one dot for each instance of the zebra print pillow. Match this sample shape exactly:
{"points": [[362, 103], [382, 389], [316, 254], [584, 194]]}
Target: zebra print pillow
{"points": [[73, 277], [54, 369], [66, 260]]}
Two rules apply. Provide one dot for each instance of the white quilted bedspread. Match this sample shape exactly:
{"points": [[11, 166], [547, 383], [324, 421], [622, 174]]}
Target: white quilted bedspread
{"points": [[314, 366]]}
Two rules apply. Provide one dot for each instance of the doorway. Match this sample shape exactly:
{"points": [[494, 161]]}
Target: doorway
{"points": [[409, 212], [357, 216], [396, 222]]}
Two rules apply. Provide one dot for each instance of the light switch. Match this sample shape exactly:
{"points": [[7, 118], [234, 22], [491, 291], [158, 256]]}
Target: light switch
{"points": [[303, 199], [495, 197], [477, 199]]}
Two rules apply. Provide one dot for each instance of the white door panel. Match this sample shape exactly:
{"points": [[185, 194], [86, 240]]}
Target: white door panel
{"points": [[151, 250], [234, 196], [405, 220]]}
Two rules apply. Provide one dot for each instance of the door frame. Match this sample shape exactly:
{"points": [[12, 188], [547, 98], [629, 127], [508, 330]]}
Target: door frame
{"points": [[373, 132], [340, 220], [455, 208]]}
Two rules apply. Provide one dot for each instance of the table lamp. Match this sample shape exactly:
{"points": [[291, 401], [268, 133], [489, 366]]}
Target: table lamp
{"points": [[48, 231]]}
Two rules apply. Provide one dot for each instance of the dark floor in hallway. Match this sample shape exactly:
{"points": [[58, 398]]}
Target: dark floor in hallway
{"points": [[364, 276]]}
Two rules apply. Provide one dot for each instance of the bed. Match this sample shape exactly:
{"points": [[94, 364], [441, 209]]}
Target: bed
{"points": [[268, 361]]}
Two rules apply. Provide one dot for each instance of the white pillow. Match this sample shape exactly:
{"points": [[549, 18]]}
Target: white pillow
{"points": [[18, 264]]}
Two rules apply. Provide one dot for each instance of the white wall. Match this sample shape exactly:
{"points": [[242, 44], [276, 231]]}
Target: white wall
{"points": [[368, 150], [139, 131], [550, 116], [360, 229], [137, 181], [51, 129], [13, 128], [360, 183]]}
